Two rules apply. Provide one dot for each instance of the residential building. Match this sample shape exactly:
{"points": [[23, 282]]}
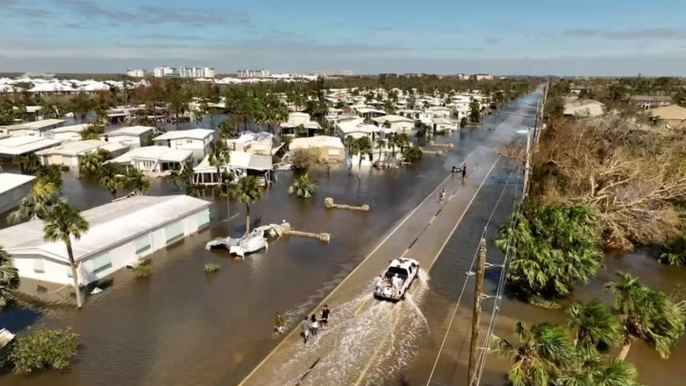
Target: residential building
{"points": [[13, 187], [36, 129], [254, 143], [68, 153], [196, 140], [584, 108], [132, 136], [368, 112], [160, 72], [68, 133], [13, 146], [444, 125], [120, 234], [398, 124], [196, 72], [137, 73], [483, 77], [240, 164], [356, 128], [153, 159], [331, 149], [647, 102], [300, 125], [253, 73], [669, 115]]}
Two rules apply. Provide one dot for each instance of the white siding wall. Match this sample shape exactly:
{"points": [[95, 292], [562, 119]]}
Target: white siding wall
{"points": [[11, 198], [119, 255], [198, 146]]}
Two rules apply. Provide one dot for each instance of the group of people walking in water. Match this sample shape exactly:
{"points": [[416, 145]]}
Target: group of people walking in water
{"points": [[455, 169], [310, 326]]}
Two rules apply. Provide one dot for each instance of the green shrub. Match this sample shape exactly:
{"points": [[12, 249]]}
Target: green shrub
{"points": [[210, 267], [412, 154], [144, 270], [42, 349]]}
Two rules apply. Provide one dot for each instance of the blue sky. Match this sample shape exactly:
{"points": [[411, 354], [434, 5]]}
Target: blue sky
{"points": [[602, 37]]}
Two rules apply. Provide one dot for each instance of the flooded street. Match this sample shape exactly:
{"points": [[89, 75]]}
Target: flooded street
{"points": [[183, 327]]}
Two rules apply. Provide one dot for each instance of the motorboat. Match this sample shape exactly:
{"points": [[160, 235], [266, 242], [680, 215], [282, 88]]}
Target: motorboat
{"points": [[250, 243]]}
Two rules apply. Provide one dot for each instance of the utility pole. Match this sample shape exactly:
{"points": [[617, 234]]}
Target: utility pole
{"points": [[476, 318], [527, 165]]}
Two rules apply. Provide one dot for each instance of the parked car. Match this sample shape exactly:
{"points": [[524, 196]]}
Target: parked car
{"points": [[397, 279]]}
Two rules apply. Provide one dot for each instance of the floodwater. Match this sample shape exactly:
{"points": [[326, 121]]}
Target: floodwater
{"points": [[184, 327]]}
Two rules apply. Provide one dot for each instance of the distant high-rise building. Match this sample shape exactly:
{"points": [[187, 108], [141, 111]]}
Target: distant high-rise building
{"points": [[253, 73], [137, 73], [160, 72], [347, 72], [196, 72]]}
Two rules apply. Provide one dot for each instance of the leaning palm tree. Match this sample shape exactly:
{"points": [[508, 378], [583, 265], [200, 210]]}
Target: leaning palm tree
{"points": [[135, 181], [303, 186], [594, 326], [37, 204], [647, 315], [364, 146], [110, 179], [28, 163], [248, 191], [63, 223], [9, 278], [538, 353]]}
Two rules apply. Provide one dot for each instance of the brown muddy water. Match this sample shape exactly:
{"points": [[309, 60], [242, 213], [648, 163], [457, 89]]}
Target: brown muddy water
{"points": [[183, 327]]}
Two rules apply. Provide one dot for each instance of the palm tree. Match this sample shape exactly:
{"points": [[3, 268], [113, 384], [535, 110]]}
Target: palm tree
{"points": [[594, 326], [9, 279], [303, 186], [51, 174], [538, 354], [91, 162], [198, 116], [647, 315], [402, 141], [184, 174], [135, 181], [228, 129], [110, 179], [61, 224], [92, 132], [351, 145], [219, 156], [28, 163], [248, 192], [363, 147], [380, 145], [37, 204], [393, 142], [592, 371]]}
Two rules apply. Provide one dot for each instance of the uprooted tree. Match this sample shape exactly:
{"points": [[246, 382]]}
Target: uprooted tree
{"points": [[633, 176]]}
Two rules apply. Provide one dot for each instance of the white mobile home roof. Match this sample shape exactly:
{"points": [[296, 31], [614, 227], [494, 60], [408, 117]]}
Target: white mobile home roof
{"points": [[37, 125], [131, 130], [392, 119], [238, 160], [183, 134], [25, 144], [9, 181], [317, 141], [161, 153], [72, 128], [82, 147], [109, 224]]}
